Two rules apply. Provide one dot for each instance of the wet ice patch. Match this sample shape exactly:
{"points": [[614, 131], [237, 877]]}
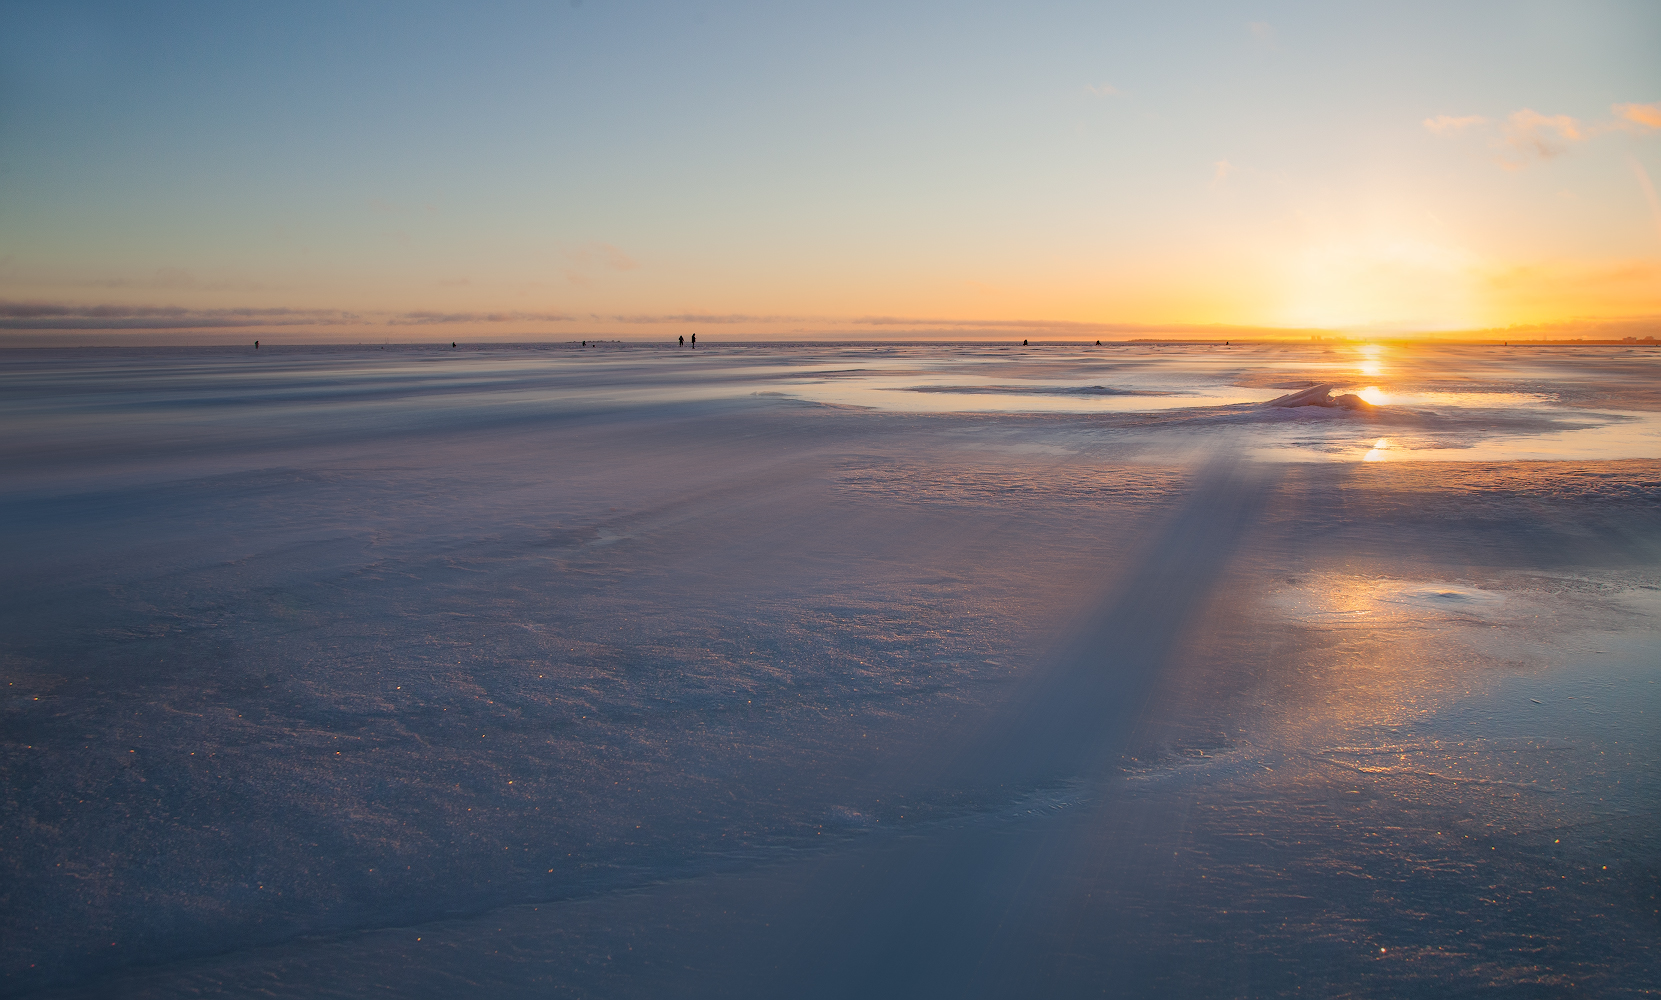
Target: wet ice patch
{"points": [[1497, 763], [1348, 601]]}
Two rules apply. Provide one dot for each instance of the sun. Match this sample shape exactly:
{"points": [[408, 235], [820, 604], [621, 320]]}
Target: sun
{"points": [[1382, 283]]}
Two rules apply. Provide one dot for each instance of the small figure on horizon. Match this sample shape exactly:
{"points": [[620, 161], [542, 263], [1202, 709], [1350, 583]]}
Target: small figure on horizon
{"points": [[452, 345], [585, 343], [256, 345], [683, 341], [1098, 343], [694, 341], [1023, 343]]}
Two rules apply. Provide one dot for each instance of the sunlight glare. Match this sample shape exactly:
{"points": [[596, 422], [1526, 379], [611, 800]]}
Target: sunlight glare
{"points": [[1376, 454], [1386, 279], [1370, 360]]}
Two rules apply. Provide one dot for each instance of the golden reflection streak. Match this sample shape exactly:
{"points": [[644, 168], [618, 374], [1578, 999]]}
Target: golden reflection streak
{"points": [[1371, 363]]}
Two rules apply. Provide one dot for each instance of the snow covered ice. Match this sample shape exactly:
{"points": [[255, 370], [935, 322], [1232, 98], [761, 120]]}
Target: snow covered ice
{"points": [[822, 671]]}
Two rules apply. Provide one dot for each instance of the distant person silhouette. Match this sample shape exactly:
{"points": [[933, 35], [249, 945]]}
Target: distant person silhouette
{"points": [[1098, 343], [1023, 343], [256, 345], [683, 341], [694, 341], [452, 345]]}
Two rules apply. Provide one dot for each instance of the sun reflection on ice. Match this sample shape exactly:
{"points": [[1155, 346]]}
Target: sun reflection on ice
{"points": [[1370, 359], [1376, 454], [1374, 395]]}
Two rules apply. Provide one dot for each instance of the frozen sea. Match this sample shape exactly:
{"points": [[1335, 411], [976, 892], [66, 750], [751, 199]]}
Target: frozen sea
{"points": [[830, 671]]}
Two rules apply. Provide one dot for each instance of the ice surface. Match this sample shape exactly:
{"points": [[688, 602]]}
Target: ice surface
{"points": [[1320, 395], [633, 672]]}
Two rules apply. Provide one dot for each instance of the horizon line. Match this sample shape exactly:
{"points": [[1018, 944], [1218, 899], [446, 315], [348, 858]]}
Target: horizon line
{"points": [[61, 343]]}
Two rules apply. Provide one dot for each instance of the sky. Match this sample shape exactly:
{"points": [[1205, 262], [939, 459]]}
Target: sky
{"points": [[591, 168]]}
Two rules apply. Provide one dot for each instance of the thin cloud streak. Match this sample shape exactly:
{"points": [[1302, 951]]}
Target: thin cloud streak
{"points": [[49, 318], [1065, 327], [713, 319], [1526, 136], [1544, 135], [440, 319], [58, 316], [16, 315], [55, 316]]}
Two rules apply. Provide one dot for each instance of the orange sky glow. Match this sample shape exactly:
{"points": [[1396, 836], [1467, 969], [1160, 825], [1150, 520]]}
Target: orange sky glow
{"points": [[751, 174]]}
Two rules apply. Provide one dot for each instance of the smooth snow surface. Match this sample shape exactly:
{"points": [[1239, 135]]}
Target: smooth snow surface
{"points": [[779, 670]]}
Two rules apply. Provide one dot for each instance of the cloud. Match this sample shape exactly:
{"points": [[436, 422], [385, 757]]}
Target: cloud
{"points": [[46, 323], [438, 318], [424, 318], [1642, 115], [1053, 328], [1527, 136], [1103, 90], [713, 319], [1543, 135], [58, 316], [1583, 328], [1452, 125], [49, 316]]}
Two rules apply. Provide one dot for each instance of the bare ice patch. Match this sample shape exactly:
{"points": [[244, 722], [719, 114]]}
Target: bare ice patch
{"points": [[1446, 598], [1321, 395], [848, 817], [1043, 390]]}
